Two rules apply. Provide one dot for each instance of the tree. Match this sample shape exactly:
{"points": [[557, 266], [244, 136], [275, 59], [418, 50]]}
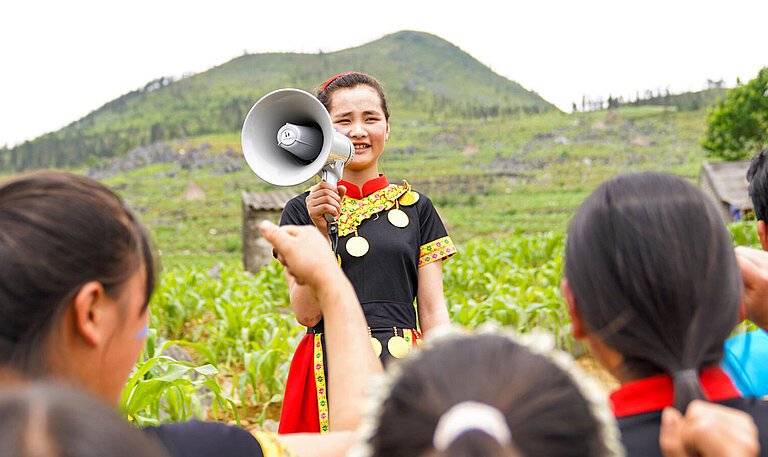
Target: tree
{"points": [[738, 125]]}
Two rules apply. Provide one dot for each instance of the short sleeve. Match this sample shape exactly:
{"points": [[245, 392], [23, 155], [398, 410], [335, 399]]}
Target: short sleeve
{"points": [[295, 211], [206, 439], [435, 242]]}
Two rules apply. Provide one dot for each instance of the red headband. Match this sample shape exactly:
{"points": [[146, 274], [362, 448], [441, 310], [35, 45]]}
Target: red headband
{"points": [[327, 83]]}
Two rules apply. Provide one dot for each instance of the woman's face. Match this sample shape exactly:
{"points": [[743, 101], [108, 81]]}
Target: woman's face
{"points": [[130, 334], [356, 112]]}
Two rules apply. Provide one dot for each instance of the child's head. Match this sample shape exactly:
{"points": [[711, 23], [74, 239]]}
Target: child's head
{"points": [[489, 395], [654, 277], [45, 420], [76, 273]]}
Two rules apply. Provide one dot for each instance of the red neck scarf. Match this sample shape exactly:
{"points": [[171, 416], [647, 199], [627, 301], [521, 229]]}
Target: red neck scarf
{"points": [[656, 393]]}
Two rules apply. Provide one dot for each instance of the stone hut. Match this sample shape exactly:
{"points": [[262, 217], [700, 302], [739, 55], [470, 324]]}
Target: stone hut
{"points": [[726, 184], [257, 207]]}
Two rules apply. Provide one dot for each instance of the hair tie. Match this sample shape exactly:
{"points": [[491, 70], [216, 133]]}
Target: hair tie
{"points": [[327, 83], [470, 415], [690, 373]]}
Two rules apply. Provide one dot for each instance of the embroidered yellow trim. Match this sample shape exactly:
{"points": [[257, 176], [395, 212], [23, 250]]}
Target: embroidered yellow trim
{"points": [[271, 446], [439, 249], [354, 211], [322, 394]]}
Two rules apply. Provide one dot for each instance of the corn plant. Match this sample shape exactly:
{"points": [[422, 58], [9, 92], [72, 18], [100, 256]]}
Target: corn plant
{"points": [[244, 320], [162, 389], [512, 282]]}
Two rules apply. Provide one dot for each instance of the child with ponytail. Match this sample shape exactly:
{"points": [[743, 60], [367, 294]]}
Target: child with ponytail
{"points": [[653, 286]]}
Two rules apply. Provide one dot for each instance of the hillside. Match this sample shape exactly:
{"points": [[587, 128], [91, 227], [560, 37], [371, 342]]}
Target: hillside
{"points": [[425, 77], [688, 101]]}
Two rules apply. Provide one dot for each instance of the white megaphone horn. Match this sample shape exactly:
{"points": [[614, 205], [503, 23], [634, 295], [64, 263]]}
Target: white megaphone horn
{"points": [[288, 137]]}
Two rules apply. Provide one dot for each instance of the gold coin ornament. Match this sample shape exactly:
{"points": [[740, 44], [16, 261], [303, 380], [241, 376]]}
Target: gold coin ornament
{"points": [[409, 198], [398, 218], [398, 347], [376, 346], [357, 246], [375, 343]]}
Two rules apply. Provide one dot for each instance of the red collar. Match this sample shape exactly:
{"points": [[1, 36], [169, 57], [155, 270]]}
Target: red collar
{"points": [[656, 393], [368, 188]]}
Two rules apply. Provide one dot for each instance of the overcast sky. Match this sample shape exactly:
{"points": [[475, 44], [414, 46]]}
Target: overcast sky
{"points": [[60, 60]]}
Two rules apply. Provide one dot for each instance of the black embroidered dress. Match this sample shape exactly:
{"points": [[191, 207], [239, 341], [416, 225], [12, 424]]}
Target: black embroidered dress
{"points": [[385, 279]]}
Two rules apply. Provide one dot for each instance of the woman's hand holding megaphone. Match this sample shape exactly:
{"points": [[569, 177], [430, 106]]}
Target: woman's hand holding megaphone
{"points": [[324, 199]]}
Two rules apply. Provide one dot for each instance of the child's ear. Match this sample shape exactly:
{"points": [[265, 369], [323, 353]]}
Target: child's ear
{"points": [[88, 307], [578, 329], [762, 234]]}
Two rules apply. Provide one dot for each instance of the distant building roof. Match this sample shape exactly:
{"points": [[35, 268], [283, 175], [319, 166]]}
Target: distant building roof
{"points": [[729, 182], [273, 200]]}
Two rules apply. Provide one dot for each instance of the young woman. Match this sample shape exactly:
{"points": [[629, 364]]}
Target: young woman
{"points": [[490, 394], [653, 286], [75, 280], [391, 247]]}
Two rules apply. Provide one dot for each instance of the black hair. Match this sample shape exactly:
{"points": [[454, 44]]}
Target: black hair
{"points": [[47, 420], [350, 80], [654, 275], [59, 231], [757, 175], [545, 411]]}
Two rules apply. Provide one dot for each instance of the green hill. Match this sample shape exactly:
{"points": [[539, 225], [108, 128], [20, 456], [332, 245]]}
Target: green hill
{"points": [[425, 77]]}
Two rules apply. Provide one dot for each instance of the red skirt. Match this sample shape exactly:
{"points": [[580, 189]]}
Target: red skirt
{"points": [[305, 401]]}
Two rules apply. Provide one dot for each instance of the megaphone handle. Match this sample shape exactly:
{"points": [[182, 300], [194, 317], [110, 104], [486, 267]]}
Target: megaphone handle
{"points": [[332, 172], [333, 233]]}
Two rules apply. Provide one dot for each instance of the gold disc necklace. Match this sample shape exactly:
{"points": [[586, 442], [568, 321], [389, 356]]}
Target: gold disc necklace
{"points": [[357, 246], [398, 346]]}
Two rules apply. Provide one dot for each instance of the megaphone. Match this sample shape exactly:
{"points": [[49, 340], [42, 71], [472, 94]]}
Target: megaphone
{"points": [[288, 137]]}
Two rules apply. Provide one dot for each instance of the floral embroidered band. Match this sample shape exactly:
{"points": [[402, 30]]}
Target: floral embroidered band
{"points": [[354, 211], [322, 396], [439, 249]]}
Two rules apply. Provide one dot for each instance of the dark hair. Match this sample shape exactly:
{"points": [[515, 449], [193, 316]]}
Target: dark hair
{"points": [[350, 80], [59, 231], [545, 411], [654, 275], [45, 420], [757, 175]]}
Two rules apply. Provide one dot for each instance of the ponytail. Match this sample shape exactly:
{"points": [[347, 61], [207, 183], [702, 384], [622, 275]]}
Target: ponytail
{"points": [[687, 388]]}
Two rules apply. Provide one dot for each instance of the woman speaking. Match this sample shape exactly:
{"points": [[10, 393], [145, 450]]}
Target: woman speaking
{"points": [[391, 247]]}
